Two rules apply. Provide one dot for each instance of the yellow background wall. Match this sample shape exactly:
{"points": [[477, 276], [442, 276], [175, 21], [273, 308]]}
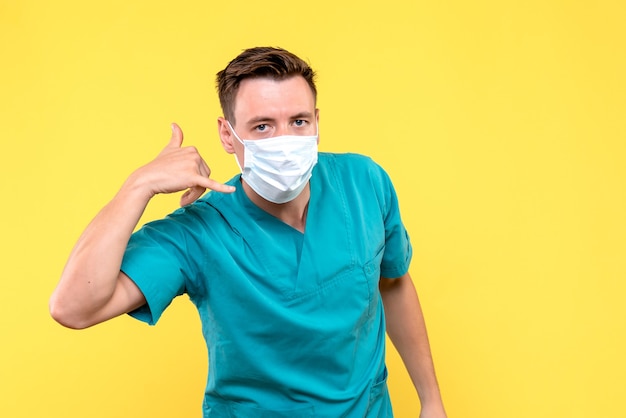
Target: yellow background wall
{"points": [[502, 124]]}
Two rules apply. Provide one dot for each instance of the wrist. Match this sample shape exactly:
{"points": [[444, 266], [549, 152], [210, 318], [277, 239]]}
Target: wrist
{"points": [[137, 189], [433, 409]]}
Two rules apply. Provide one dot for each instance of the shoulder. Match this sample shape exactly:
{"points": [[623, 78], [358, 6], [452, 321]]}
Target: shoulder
{"points": [[345, 159], [203, 216], [359, 178], [358, 167], [177, 226], [349, 161]]}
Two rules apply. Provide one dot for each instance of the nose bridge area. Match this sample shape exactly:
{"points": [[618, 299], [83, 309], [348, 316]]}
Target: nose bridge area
{"points": [[283, 128]]}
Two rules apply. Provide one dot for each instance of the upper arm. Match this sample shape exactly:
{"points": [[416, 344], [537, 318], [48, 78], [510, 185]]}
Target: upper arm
{"points": [[386, 283], [126, 298]]}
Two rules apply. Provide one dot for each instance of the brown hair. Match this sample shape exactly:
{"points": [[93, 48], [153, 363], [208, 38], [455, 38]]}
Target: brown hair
{"points": [[275, 63]]}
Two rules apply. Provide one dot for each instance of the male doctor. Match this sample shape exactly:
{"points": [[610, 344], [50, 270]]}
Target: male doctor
{"points": [[297, 266]]}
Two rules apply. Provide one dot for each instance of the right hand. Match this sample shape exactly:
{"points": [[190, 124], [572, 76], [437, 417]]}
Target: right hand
{"points": [[177, 168]]}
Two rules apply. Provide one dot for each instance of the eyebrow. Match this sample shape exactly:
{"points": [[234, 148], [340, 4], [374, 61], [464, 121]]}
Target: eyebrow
{"points": [[302, 115], [260, 119]]}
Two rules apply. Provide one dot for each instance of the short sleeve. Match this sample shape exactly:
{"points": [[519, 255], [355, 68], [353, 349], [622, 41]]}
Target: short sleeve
{"points": [[398, 249], [155, 260]]}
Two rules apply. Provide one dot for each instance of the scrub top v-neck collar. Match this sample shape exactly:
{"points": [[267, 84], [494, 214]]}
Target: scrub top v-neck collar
{"points": [[261, 215], [326, 237]]}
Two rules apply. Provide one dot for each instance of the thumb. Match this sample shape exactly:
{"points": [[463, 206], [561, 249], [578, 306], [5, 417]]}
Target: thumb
{"points": [[177, 137]]}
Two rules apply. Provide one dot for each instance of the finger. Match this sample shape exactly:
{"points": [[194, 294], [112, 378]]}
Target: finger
{"points": [[219, 187], [209, 183], [204, 169], [176, 141], [191, 195], [195, 192]]}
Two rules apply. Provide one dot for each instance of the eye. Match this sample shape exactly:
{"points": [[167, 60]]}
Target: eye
{"points": [[299, 122], [261, 128]]}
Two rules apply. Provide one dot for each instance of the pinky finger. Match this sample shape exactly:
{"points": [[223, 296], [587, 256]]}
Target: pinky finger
{"points": [[191, 195]]}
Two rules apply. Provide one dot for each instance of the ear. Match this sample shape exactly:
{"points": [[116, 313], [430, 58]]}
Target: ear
{"points": [[226, 136]]}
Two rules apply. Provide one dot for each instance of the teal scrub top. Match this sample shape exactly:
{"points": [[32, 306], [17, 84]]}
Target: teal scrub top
{"points": [[293, 322]]}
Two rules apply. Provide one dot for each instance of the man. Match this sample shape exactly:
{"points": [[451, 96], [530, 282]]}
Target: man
{"points": [[289, 263]]}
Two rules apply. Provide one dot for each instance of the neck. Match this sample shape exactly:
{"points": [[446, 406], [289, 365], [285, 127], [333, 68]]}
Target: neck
{"points": [[292, 213]]}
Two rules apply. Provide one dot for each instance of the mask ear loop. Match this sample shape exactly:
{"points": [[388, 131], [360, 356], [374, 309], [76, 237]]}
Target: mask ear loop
{"points": [[234, 133], [238, 139]]}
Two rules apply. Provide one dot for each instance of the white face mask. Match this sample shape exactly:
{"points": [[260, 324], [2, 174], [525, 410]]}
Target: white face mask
{"points": [[278, 168]]}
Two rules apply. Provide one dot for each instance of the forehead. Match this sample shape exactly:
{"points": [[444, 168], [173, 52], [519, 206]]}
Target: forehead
{"points": [[268, 95]]}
